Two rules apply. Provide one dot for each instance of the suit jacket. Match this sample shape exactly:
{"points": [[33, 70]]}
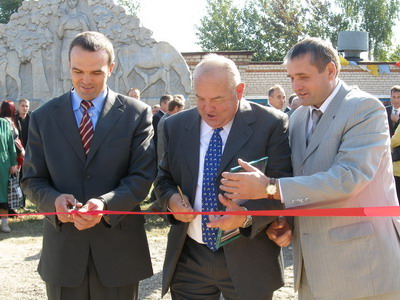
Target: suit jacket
{"points": [[160, 137], [156, 118], [347, 164], [119, 167], [392, 126], [254, 262]]}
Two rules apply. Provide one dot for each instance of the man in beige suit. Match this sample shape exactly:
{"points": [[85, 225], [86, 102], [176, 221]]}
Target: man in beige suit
{"points": [[341, 161]]}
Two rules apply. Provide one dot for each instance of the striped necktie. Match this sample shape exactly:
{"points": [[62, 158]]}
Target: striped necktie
{"points": [[86, 127], [209, 188]]}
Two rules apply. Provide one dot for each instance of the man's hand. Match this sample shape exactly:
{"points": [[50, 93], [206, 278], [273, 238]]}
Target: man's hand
{"points": [[280, 232], [83, 221], [245, 185], [65, 203], [178, 204], [13, 169], [394, 117], [228, 222]]}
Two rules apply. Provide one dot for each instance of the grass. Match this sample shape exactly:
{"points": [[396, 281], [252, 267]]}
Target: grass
{"points": [[26, 225]]}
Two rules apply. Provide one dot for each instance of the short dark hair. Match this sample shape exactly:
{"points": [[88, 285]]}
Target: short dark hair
{"points": [[165, 98], [273, 88], [176, 102], [321, 53], [395, 88], [93, 41]]}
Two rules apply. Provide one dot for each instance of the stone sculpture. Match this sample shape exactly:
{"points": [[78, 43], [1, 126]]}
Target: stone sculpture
{"points": [[34, 49]]}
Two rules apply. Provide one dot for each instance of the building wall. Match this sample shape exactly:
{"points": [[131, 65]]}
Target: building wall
{"points": [[260, 76]]}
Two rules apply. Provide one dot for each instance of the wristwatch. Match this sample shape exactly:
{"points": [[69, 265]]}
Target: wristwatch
{"points": [[249, 219], [271, 188]]}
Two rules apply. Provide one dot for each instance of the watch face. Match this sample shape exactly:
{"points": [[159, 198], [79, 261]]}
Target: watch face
{"points": [[271, 189]]}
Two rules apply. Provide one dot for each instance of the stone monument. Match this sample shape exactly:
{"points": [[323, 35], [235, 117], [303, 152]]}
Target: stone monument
{"points": [[34, 49]]}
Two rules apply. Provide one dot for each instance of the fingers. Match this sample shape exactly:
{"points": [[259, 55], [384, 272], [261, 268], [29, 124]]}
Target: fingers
{"points": [[284, 239], [246, 166], [178, 203], [280, 232], [63, 204]]}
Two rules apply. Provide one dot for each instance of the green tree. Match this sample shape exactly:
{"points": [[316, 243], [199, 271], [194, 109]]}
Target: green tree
{"points": [[7, 8], [324, 21], [377, 17], [132, 6], [282, 25], [220, 29]]}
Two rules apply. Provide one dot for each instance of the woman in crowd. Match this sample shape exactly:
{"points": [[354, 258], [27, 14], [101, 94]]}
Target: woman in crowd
{"points": [[8, 159]]}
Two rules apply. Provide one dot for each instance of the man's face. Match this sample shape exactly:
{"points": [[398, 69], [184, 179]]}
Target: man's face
{"points": [[164, 105], [133, 94], [217, 102], [311, 86], [277, 99], [23, 108], [395, 99], [89, 72]]}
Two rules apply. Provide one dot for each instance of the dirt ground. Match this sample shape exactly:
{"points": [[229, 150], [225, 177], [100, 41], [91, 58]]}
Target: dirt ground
{"points": [[20, 252]]}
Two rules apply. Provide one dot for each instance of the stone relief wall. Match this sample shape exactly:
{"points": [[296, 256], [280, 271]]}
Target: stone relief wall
{"points": [[34, 49]]}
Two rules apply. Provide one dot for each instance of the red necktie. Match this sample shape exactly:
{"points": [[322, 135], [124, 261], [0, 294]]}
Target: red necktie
{"points": [[86, 126]]}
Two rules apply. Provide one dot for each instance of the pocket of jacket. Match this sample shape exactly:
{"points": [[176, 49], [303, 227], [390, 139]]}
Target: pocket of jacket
{"points": [[352, 231]]}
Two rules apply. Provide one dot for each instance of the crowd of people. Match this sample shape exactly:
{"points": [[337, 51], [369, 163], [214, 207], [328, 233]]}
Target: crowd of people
{"points": [[330, 148]]}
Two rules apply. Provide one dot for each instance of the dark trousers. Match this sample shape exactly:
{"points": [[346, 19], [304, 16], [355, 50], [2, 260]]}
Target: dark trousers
{"points": [[202, 275], [397, 181], [92, 289]]}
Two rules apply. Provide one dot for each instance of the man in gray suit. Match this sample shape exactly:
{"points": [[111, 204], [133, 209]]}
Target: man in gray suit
{"points": [[341, 161], [251, 266], [91, 256]]}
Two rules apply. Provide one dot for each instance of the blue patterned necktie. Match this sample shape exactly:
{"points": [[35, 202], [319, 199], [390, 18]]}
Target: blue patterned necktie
{"points": [[209, 188]]}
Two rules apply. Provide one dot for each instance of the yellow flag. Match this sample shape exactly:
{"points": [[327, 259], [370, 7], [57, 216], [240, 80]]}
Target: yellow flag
{"points": [[343, 61], [374, 70]]}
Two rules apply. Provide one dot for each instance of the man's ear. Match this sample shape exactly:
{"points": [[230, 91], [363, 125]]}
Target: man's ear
{"points": [[240, 90]]}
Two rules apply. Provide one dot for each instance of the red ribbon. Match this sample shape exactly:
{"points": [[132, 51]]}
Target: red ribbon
{"points": [[378, 211]]}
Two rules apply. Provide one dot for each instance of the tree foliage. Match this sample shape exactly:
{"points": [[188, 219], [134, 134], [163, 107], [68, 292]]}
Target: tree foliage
{"points": [[7, 8], [271, 27], [221, 27]]}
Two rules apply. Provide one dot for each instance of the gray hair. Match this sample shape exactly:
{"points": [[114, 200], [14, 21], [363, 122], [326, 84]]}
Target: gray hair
{"points": [[213, 62]]}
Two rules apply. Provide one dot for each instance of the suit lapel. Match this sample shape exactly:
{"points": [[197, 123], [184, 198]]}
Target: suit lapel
{"points": [[239, 134], [65, 119], [192, 147], [326, 120], [112, 111], [298, 133]]}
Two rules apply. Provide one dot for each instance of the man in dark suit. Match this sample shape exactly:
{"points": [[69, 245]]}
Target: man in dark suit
{"points": [[164, 100], [91, 256], [251, 266], [393, 110]]}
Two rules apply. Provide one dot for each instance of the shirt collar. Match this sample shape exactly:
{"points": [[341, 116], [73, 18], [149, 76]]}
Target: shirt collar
{"points": [[206, 129], [97, 102], [328, 100]]}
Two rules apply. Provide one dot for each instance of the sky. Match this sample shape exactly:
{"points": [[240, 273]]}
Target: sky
{"points": [[173, 21]]}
